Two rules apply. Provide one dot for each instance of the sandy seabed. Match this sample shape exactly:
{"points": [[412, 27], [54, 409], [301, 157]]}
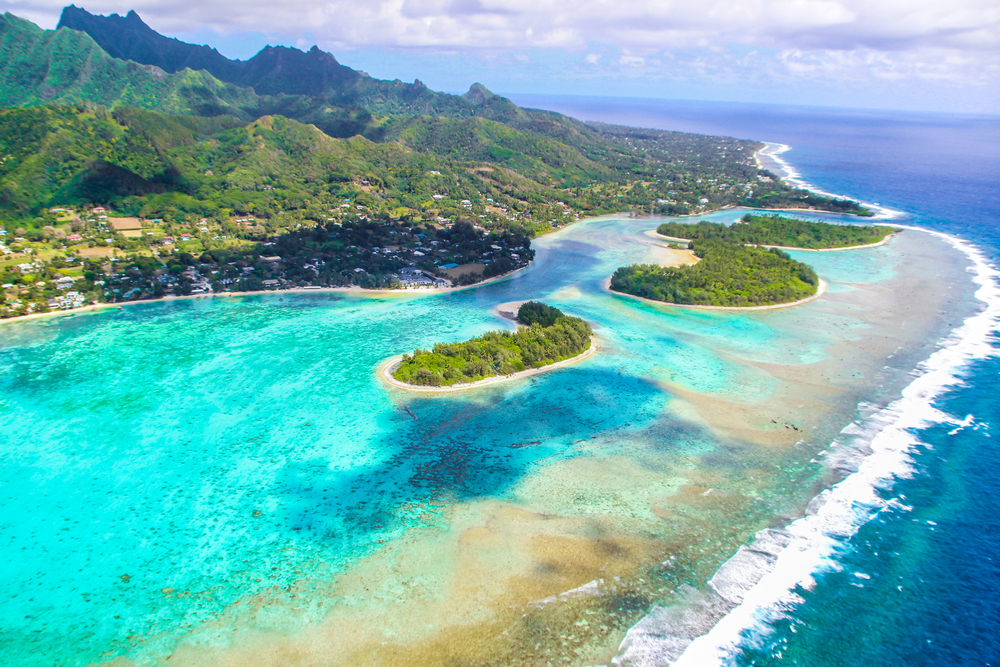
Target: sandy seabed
{"points": [[560, 574], [493, 582]]}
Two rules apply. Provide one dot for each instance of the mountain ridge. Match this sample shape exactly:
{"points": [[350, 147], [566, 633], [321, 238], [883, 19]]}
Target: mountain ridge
{"points": [[124, 150], [67, 67]]}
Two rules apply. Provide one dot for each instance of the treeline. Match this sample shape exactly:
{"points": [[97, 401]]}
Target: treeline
{"points": [[799, 198], [498, 352], [779, 230], [729, 274], [536, 312]]}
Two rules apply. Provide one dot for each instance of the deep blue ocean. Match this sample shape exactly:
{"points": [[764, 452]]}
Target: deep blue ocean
{"points": [[919, 584]]}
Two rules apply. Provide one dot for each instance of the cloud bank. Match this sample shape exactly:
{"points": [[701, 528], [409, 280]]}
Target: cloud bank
{"points": [[954, 43]]}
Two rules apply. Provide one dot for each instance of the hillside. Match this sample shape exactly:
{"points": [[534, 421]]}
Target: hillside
{"points": [[665, 172], [67, 67], [274, 71]]}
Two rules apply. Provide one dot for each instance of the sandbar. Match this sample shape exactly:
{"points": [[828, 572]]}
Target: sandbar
{"points": [[508, 311]]}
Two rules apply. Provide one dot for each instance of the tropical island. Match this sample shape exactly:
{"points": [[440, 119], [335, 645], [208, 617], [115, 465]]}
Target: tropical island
{"points": [[546, 337], [727, 275], [135, 166], [741, 266], [778, 230]]}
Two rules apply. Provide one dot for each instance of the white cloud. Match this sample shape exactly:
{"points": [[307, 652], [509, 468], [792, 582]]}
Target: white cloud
{"points": [[879, 39], [632, 61]]}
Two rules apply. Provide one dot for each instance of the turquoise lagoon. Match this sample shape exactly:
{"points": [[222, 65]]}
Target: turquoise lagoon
{"points": [[220, 478]]}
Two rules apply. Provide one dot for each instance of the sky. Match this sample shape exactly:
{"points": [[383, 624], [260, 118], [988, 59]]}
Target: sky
{"points": [[922, 55]]}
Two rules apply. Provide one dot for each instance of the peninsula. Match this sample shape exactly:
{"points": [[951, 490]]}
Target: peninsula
{"points": [[546, 338]]}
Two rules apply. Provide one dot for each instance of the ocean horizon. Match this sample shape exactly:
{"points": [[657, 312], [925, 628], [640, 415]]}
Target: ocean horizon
{"points": [[220, 479]]}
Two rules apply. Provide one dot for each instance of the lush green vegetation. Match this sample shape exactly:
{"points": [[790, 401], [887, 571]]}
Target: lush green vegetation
{"points": [[365, 254], [499, 352], [536, 312], [525, 168], [729, 274], [778, 230], [351, 180], [67, 67]]}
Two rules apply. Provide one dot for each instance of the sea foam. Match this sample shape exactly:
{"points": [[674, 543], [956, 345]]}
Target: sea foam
{"points": [[790, 175], [756, 587]]}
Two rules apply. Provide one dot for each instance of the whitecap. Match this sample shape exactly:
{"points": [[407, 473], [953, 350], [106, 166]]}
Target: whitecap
{"points": [[757, 585]]}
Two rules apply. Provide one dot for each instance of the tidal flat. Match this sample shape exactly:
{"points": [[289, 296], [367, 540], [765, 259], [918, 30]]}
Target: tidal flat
{"points": [[222, 479]]}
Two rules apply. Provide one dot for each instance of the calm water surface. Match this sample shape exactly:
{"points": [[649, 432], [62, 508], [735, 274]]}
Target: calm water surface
{"points": [[166, 463]]}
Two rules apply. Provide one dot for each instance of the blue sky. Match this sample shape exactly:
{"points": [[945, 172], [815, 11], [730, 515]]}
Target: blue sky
{"points": [[924, 55]]}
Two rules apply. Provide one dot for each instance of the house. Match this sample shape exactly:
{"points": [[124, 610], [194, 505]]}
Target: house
{"points": [[270, 283]]}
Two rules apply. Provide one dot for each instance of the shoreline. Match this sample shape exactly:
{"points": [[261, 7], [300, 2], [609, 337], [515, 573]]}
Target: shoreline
{"points": [[793, 178], [420, 291], [511, 315], [361, 291], [887, 455], [820, 291], [655, 234], [385, 369]]}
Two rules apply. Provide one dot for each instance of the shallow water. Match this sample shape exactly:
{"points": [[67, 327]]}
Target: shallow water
{"points": [[904, 589], [227, 477]]}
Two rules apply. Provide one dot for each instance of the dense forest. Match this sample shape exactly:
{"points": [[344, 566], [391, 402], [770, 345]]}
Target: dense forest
{"points": [[536, 312], [777, 230], [729, 274], [549, 337]]}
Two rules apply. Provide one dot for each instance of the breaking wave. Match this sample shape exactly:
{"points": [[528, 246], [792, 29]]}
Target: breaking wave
{"points": [[773, 152], [757, 585]]}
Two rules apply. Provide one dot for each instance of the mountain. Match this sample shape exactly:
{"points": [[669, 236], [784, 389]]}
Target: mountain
{"points": [[273, 71], [291, 134], [65, 154], [311, 86], [68, 67]]}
